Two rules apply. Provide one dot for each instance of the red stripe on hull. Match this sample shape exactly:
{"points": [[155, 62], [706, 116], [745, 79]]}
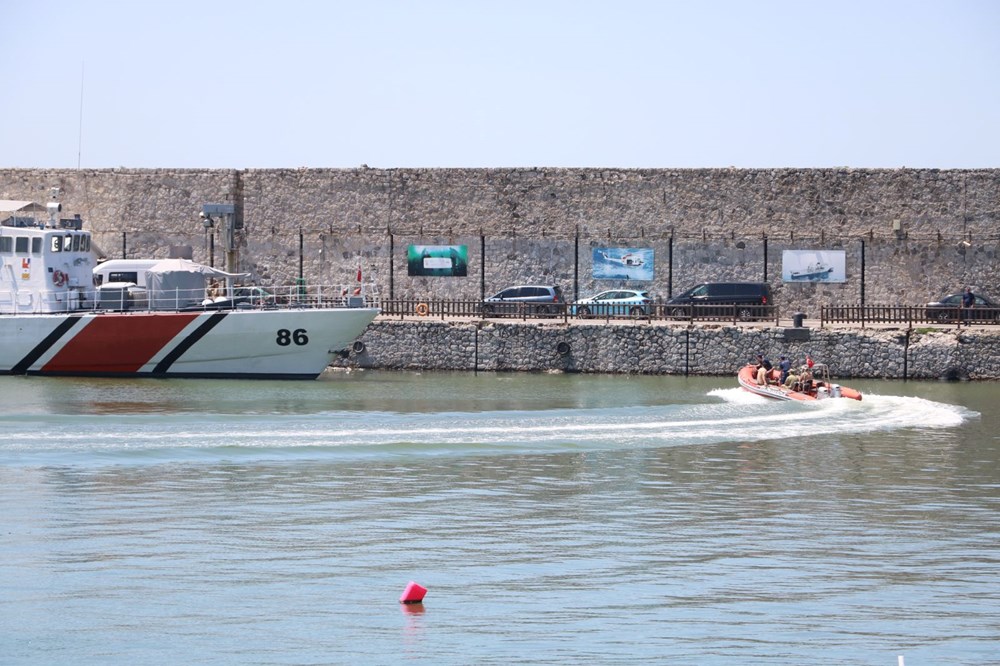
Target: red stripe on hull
{"points": [[117, 343]]}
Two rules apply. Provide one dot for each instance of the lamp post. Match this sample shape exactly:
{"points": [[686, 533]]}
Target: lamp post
{"points": [[209, 238], [228, 214]]}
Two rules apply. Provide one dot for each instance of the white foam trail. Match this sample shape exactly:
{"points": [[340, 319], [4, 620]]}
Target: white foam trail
{"points": [[902, 411], [739, 396], [737, 418]]}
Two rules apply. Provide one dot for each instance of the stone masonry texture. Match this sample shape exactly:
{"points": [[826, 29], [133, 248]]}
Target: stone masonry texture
{"points": [[641, 348], [909, 236]]}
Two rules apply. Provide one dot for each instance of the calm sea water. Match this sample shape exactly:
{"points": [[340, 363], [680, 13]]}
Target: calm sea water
{"points": [[555, 519]]}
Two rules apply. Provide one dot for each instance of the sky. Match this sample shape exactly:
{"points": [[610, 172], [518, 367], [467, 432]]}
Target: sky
{"points": [[519, 83]]}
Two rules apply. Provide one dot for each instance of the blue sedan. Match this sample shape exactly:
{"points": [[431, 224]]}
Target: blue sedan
{"points": [[614, 302]]}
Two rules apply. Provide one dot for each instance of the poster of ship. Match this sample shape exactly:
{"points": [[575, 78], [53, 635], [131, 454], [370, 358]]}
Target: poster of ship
{"points": [[813, 266]]}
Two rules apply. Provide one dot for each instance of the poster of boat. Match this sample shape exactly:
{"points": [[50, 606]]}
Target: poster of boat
{"points": [[622, 263], [814, 266], [437, 260]]}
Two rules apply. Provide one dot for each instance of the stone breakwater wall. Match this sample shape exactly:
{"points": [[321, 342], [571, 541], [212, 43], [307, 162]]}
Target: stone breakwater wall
{"points": [[909, 235], [636, 348]]}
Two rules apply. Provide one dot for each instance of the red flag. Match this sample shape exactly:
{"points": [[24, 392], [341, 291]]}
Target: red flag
{"points": [[359, 273]]}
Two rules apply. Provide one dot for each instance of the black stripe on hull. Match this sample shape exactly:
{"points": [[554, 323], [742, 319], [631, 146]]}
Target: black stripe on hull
{"points": [[177, 375], [163, 366], [21, 367]]}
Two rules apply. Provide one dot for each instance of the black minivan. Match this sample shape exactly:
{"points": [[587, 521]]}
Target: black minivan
{"points": [[734, 298]]}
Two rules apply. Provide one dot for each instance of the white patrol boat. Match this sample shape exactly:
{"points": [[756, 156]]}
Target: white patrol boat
{"points": [[54, 321]]}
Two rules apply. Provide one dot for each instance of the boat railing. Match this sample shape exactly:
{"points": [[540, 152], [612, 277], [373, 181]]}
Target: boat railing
{"points": [[130, 298]]}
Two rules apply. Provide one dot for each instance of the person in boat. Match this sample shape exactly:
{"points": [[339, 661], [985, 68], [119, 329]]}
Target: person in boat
{"points": [[763, 369], [785, 366], [792, 382], [806, 380]]}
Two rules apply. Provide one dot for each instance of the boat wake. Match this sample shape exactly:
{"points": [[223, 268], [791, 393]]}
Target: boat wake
{"points": [[725, 415]]}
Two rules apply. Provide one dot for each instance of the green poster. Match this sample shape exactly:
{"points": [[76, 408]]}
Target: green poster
{"points": [[437, 260]]}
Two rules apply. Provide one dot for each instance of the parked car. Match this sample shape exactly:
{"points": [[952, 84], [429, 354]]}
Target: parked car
{"points": [[540, 299], [743, 295], [949, 308], [614, 302]]}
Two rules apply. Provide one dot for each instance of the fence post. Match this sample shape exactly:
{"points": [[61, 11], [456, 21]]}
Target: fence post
{"points": [[765, 257], [576, 264], [670, 266], [482, 267], [862, 271], [392, 265]]}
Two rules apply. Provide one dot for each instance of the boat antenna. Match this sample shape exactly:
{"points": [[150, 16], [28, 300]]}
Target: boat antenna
{"points": [[79, 146]]}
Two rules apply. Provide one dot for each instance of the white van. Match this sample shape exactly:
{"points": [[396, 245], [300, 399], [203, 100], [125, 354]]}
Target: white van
{"points": [[123, 270]]}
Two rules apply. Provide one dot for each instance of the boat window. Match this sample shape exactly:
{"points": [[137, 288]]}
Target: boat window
{"points": [[76, 242], [5, 244], [85, 243], [57, 243], [21, 245], [68, 243], [36, 245], [124, 276]]}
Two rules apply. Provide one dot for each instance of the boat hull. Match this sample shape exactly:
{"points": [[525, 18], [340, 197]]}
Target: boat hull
{"points": [[815, 275], [748, 380], [273, 344]]}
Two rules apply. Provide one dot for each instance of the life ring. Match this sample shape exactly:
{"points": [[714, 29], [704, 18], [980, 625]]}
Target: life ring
{"points": [[59, 278], [422, 310]]}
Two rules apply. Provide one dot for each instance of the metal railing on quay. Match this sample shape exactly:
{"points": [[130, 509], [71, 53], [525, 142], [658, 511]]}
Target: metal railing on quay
{"points": [[735, 314], [907, 314], [864, 315], [443, 309]]}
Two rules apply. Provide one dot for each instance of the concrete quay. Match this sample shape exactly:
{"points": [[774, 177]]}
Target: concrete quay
{"points": [[661, 348]]}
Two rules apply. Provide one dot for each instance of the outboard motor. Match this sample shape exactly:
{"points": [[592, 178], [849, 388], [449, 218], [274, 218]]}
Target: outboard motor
{"points": [[822, 392], [835, 391]]}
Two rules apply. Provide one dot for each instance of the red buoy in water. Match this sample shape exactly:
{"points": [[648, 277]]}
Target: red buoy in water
{"points": [[413, 594]]}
